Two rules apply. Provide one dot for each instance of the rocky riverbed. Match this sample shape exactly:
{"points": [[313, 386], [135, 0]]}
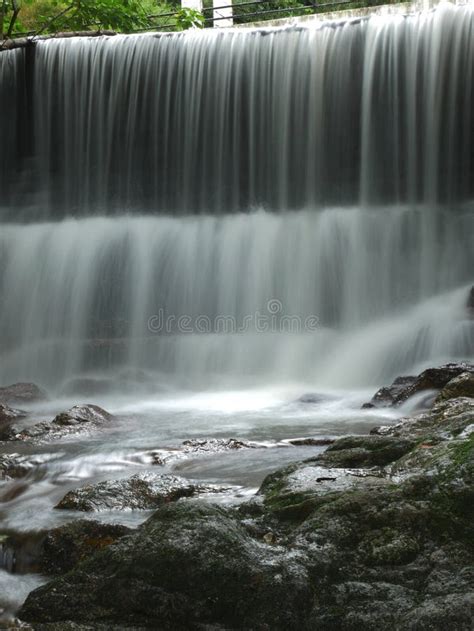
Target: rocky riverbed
{"points": [[376, 532]]}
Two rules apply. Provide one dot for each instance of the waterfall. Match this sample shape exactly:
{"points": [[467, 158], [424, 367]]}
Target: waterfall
{"points": [[321, 174]]}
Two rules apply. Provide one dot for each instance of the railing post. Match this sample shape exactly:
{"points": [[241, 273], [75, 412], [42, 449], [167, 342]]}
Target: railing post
{"points": [[222, 13]]}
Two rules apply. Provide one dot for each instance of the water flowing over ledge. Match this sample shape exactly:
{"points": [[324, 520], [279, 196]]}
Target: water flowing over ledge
{"points": [[328, 168], [86, 296], [373, 111]]}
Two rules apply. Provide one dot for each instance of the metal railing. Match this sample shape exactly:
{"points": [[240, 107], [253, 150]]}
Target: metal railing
{"points": [[241, 15], [169, 21]]}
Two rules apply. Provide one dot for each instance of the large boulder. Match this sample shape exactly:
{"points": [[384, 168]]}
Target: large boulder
{"points": [[403, 388], [58, 550], [79, 419], [143, 491], [189, 564], [19, 393], [64, 547], [389, 395], [460, 386], [365, 451]]}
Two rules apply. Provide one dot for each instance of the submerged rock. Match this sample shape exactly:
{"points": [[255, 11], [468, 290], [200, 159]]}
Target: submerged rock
{"points": [[15, 465], [214, 445], [80, 418], [22, 393], [314, 398], [403, 388], [143, 491]]}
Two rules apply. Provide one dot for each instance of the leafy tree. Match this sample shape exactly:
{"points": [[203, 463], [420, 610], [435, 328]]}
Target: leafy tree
{"points": [[9, 10], [117, 15], [189, 18]]}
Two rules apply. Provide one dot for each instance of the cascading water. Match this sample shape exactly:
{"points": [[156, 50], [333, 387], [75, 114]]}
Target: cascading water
{"points": [[322, 172], [198, 228]]}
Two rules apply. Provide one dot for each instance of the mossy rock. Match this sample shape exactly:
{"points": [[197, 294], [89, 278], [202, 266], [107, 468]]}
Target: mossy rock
{"points": [[365, 451]]}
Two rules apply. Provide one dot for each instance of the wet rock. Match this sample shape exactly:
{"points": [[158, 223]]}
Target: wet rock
{"points": [[15, 466], [64, 547], [365, 451], [143, 491], [296, 491], [470, 302], [22, 393], [80, 418], [461, 386], [403, 388], [214, 445], [384, 545], [389, 395], [82, 414], [188, 565], [8, 414], [74, 626], [310, 442], [445, 421], [314, 398]]}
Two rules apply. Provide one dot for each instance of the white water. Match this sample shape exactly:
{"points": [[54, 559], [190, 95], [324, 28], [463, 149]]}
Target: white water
{"points": [[137, 189], [369, 296], [318, 178]]}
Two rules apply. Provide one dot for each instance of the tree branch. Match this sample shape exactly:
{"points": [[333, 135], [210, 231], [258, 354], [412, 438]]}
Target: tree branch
{"points": [[16, 10]]}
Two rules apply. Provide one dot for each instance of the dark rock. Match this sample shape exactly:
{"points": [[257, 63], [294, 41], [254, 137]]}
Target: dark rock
{"points": [[214, 445], [143, 491], [461, 386], [22, 393], [365, 451], [64, 547], [15, 466], [470, 302], [82, 414], [314, 398], [59, 550], [445, 421], [310, 442], [388, 395], [74, 626], [188, 565], [8, 414], [80, 418], [403, 388]]}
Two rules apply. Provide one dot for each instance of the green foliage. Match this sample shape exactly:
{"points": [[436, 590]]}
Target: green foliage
{"points": [[52, 16], [118, 15], [275, 9], [189, 18]]}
